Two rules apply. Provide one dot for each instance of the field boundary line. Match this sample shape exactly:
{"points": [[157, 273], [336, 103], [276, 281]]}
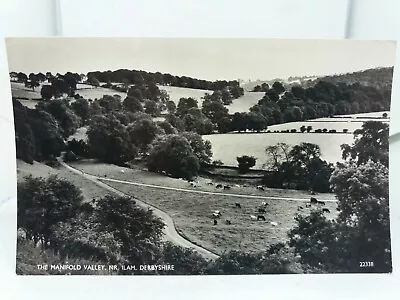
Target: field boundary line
{"points": [[208, 193]]}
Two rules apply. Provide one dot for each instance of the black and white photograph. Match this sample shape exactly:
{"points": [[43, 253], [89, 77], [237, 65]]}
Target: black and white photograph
{"points": [[201, 156]]}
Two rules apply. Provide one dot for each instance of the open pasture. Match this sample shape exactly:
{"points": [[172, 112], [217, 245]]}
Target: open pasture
{"points": [[89, 189], [226, 147], [245, 102], [192, 215], [142, 176]]}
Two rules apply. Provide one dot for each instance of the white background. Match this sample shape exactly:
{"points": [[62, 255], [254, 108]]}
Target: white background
{"points": [[361, 19]]}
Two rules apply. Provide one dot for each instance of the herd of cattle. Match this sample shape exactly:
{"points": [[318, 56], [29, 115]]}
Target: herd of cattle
{"points": [[261, 210]]}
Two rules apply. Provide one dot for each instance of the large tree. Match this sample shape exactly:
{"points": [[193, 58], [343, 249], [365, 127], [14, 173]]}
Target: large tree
{"points": [[109, 140], [371, 143], [173, 155], [42, 203], [185, 104]]}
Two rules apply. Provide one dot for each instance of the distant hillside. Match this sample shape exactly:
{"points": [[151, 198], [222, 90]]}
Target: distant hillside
{"points": [[377, 77]]}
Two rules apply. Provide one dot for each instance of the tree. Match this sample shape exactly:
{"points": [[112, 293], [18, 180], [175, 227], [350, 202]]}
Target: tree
{"points": [[309, 128], [92, 80], [61, 110], [361, 231], [109, 103], [143, 132], [371, 143], [47, 92], [151, 108], [132, 104], [135, 92], [42, 203], [184, 105], [278, 87], [245, 163], [109, 140], [256, 122], [171, 107], [276, 155], [214, 110], [32, 84], [22, 77], [81, 109], [201, 148], [239, 122], [174, 155], [303, 128], [25, 143], [138, 231]]}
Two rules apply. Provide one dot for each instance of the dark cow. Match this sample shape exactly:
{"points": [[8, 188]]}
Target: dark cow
{"points": [[308, 205], [218, 186], [215, 222], [262, 211], [325, 210], [238, 205], [313, 200], [260, 218], [228, 222], [321, 202], [227, 187], [301, 207]]}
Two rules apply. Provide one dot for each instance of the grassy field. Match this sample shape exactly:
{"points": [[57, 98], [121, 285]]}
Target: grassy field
{"points": [[89, 189], [244, 103], [192, 214], [255, 144], [192, 211], [90, 92]]}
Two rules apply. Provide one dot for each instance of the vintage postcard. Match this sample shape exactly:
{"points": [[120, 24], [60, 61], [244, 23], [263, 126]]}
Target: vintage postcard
{"points": [[151, 156]]}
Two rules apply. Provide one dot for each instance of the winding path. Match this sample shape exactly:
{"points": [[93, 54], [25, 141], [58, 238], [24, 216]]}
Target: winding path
{"points": [[169, 230]]}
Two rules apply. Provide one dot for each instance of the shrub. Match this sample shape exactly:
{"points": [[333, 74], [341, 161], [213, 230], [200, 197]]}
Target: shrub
{"points": [[293, 130], [345, 130], [217, 162], [318, 130], [324, 130]]}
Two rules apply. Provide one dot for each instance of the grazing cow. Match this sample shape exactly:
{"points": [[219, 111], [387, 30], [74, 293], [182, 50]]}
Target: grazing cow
{"points": [[217, 212], [262, 211], [308, 205], [300, 207], [227, 187], [325, 210], [122, 171], [321, 202], [236, 185], [228, 222], [260, 217], [215, 222], [264, 203], [218, 186], [274, 223], [238, 205], [254, 218], [313, 200], [216, 216], [260, 187]]}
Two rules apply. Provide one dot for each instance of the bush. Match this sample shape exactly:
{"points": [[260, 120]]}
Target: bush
{"points": [[324, 130], [318, 130], [245, 162], [70, 156], [293, 130], [345, 130], [217, 163], [332, 131]]}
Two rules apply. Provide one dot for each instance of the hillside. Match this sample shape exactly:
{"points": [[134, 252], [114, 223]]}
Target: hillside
{"points": [[377, 77]]}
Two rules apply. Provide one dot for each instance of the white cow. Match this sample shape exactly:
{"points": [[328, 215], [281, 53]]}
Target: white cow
{"points": [[254, 218]]}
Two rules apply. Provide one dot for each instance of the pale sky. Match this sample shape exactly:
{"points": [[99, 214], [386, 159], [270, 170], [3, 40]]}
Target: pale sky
{"points": [[209, 59]]}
